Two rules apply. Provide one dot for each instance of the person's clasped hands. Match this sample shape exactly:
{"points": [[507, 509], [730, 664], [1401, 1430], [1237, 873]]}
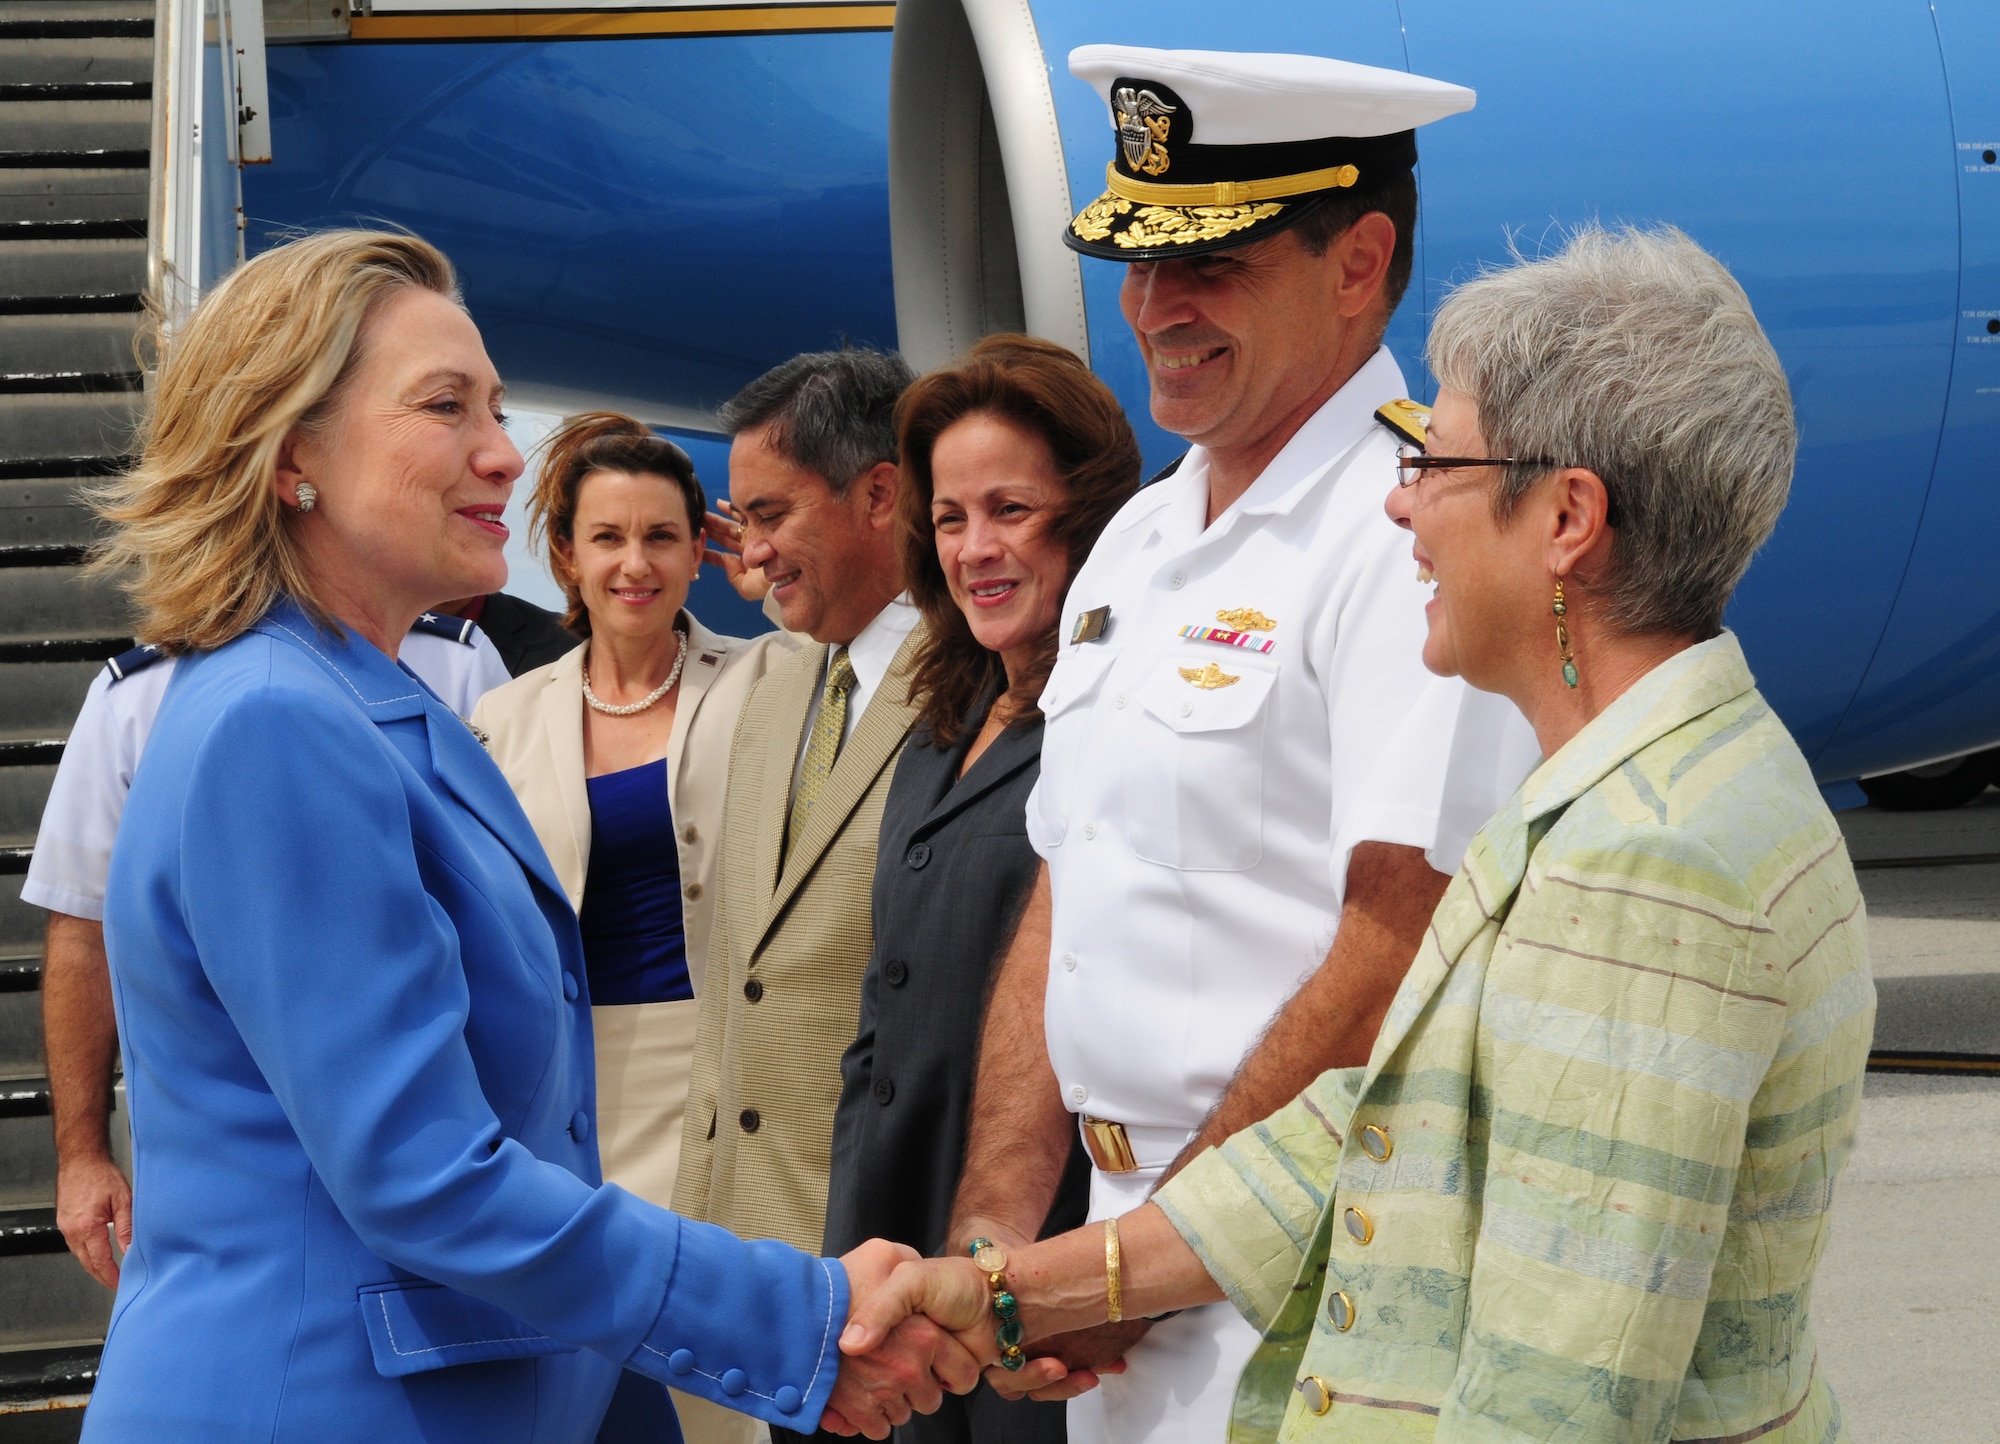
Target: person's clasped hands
{"points": [[917, 1327]]}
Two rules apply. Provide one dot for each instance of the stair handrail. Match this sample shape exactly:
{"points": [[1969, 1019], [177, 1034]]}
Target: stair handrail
{"points": [[173, 231]]}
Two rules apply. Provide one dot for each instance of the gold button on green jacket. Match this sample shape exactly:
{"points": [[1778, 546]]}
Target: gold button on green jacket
{"points": [[1581, 1187]]}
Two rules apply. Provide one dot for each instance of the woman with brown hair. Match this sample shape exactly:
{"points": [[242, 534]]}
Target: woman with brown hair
{"points": [[1013, 461], [618, 752]]}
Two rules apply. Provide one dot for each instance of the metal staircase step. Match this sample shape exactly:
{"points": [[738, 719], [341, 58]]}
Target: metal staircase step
{"points": [[27, 1150], [55, 1379], [60, 383], [22, 974], [25, 1231], [41, 697], [77, 124], [56, 60], [24, 791], [113, 229], [75, 29], [75, 90], [21, 927], [21, 1042], [98, 158], [40, 602], [36, 426], [130, 302], [42, 513], [49, 1299], [43, 554], [59, 345], [72, 267], [70, 193]]}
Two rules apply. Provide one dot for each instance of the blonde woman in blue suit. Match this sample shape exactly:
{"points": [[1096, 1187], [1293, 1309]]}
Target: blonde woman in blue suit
{"points": [[350, 989]]}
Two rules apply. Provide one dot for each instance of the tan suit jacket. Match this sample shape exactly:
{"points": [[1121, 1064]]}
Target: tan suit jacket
{"points": [[534, 727], [755, 1155]]}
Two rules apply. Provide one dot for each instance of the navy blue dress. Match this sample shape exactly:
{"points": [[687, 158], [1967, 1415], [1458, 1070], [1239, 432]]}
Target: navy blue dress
{"points": [[634, 940]]}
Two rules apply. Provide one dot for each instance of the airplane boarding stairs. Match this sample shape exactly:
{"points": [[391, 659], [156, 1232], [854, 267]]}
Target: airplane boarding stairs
{"points": [[76, 79]]}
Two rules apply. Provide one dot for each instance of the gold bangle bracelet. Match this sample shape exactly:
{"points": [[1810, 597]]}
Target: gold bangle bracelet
{"points": [[1113, 1285]]}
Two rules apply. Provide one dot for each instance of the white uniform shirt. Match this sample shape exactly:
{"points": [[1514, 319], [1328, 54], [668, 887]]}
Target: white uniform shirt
{"points": [[72, 856], [1197, 837]]}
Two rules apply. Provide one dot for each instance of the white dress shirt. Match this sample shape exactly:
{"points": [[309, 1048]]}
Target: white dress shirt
{"points": [[871, 654], [72, 856]]}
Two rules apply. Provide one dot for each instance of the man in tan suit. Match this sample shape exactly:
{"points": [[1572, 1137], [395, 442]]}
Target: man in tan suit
{"points": [[812, 480]]}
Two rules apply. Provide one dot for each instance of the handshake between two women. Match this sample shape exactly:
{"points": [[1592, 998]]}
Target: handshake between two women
{"points": [[919, 1327]]}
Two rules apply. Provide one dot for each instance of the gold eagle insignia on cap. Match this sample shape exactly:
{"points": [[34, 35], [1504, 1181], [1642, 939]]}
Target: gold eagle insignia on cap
{"points": [[1143, 122], [1208, 678]]}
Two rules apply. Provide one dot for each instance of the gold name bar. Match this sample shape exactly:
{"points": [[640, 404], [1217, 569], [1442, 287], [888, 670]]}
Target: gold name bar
{"points": [[1229, 193]]}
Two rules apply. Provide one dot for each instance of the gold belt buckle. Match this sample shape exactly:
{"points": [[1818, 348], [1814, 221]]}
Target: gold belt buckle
{"points": [[1108, 1146]]}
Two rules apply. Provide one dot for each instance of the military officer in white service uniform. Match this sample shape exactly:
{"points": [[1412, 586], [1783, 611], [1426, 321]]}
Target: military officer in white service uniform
{"points": [[1252, 793]]}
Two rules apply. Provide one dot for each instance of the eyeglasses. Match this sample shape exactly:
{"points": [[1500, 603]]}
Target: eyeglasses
{"points": [[1412, 462]]}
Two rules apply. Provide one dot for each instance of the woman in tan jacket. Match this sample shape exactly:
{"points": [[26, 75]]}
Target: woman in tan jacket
{"points": [[619, 752]]}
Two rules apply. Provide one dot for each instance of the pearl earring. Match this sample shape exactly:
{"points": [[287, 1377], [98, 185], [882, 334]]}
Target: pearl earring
{"points": [[308, 496]]}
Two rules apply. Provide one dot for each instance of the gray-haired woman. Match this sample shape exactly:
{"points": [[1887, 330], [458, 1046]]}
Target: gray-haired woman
{"points": [[1581, 1188]]}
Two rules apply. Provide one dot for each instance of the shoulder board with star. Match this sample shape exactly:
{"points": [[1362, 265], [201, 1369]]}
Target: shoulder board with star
{"points": [[137, 660], [1408, 420], [453, 629]]}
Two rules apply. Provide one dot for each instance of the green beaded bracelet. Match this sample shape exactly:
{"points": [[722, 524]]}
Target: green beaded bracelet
{"points": [[993, 1263]]}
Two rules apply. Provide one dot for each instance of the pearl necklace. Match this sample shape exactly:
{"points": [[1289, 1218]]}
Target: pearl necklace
{"points": [[635, 708]]}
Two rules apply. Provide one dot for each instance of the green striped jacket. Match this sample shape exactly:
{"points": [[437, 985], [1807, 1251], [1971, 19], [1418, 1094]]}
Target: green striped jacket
{"points": [[1581, 1187]]}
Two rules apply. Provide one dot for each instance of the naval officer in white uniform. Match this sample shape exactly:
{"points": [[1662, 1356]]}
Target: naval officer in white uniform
{"points": [[66, 876], [1252, 792]]}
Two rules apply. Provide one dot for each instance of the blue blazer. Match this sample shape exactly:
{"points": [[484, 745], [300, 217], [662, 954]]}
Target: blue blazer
{"points": [[358, 1055]]}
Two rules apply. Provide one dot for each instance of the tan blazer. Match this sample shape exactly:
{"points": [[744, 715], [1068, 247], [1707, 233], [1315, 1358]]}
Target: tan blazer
{"points": [[755, 1154], [534, 727]]}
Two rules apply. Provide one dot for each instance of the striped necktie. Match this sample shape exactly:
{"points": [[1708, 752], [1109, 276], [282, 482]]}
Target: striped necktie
{"points": [[829, 725]]}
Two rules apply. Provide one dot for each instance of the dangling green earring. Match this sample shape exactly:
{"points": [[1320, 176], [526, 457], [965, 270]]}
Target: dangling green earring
{"points": [[1561, 609]]}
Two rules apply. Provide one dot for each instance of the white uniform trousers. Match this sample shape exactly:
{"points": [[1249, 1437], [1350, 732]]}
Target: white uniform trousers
{"points": [[1180, 1380]]}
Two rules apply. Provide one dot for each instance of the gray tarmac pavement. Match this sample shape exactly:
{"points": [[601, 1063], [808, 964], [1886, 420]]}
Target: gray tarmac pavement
{"points": [[1907, 1304]]}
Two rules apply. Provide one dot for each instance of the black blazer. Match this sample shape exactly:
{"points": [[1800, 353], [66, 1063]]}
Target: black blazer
{"points": [[952, 874], [526, 636]]}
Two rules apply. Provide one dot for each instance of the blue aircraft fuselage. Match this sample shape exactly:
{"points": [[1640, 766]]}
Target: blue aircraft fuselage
{"points": [[654, 220]]}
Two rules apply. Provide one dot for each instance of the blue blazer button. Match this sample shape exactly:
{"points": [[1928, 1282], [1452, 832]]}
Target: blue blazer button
{"points": [[569, 986], [734, 1382], [579, 1125], [788, 1400], [681, 1361], [919, 855]]}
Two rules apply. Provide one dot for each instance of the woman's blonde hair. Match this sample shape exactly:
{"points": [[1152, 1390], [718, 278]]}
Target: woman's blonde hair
{"points": [[198, 529]]}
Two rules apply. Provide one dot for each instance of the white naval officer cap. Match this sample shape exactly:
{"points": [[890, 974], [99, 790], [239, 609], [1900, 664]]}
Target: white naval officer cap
{"points": [[1216, 148]]}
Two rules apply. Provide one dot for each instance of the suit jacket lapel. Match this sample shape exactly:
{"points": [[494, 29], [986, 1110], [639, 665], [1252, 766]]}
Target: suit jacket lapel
{"points": [[462, 765], [875, 739], [1012, 750], [696, 677], [562, 724], [792, 685], [1695, 681]]}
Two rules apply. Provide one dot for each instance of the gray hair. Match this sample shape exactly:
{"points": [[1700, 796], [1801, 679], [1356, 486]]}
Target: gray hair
{"points": [[1634, 354], [831, 412]]}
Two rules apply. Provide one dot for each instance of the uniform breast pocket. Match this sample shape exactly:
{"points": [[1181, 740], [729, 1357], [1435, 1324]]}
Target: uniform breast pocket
{"points": [[1208, 814], [1073, 684]]}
